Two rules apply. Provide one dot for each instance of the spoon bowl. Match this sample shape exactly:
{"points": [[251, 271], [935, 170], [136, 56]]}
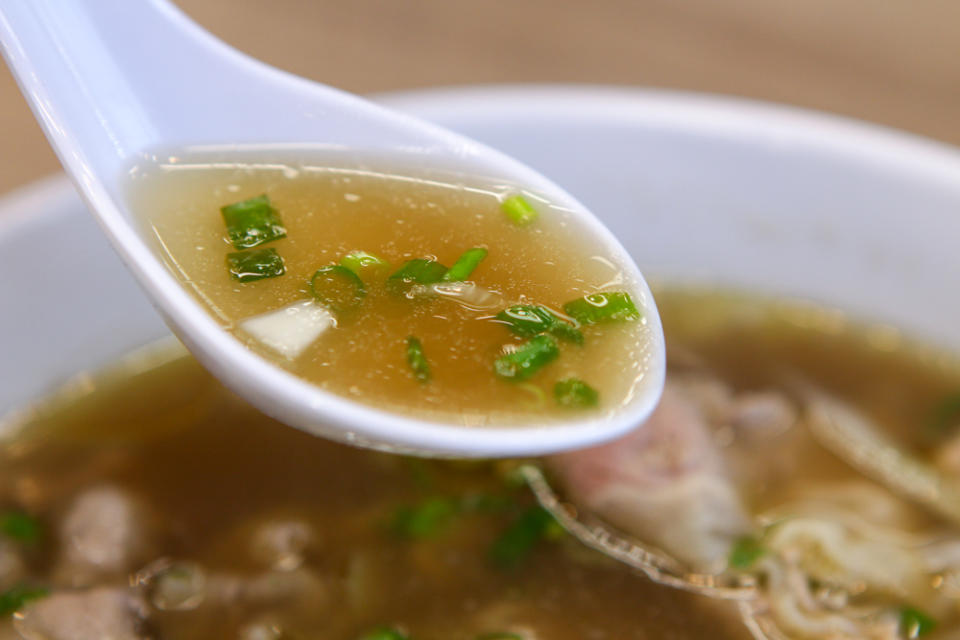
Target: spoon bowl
{"points": [[111, 83]]}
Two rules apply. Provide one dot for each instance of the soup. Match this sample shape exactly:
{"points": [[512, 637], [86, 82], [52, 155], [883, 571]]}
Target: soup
{"points": [[451, 299], [150, 502]]}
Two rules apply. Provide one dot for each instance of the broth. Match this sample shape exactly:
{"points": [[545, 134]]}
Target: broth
{"points": [[246, 529], [331, 210], [215, 471]]}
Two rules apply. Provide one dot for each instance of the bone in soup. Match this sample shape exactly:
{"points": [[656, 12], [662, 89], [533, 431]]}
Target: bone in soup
{"points": [[155, 504], [432, 294]]}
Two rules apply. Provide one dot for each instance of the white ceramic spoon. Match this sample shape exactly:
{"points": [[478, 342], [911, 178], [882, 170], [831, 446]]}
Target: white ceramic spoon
{"points": [[112, 80]]}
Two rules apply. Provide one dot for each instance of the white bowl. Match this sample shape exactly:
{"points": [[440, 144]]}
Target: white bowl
{"points": [[699, 189]]}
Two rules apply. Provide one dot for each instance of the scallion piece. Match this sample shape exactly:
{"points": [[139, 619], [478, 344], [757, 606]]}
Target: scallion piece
{"points": [[527, 359], [252, 222], [15, 597], [465, 265], [915, 623], [418, 271], [520, 538], [257, 264], [519, 211], [575, 394], [417, 360], [745, 551], [384, 633], [19, 526], [359, 261], [338, 288], [533, 319], [945, 415], [611, 306], [424, 520]]}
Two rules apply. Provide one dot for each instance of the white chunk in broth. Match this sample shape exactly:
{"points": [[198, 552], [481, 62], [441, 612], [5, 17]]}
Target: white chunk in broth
{"points": [[291, 329]]}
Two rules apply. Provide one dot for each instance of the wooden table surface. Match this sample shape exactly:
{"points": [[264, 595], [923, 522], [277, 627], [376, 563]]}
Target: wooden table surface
{"points": [[895, 62]]}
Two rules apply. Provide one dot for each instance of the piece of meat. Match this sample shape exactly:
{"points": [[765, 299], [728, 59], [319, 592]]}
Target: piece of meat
{"points": [[106, 533], [759, 413], [97, 614], [664, 483], [750, 414], [282, 543], [296, 588]]}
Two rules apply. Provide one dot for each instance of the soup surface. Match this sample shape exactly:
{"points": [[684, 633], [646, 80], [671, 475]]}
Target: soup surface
{"points": [[150, 502], [486, 342]]}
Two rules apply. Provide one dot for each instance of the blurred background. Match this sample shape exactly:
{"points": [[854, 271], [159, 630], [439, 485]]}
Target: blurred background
{"points": [[894, 62]]}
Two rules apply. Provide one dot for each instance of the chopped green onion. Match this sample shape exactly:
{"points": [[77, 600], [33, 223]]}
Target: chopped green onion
{"points": [[418, 271], [529, 358], [602, 307], [358, 261], [338, 288], [499, 635], [384, 633], [745, 552], [915, 623], [575, 394], [248, 266], [465, 265], [538, 398], [485, 503], [417, 360], [17, 525], [532, 319], [424, 520], [252, 222], [945, 415], [15, 597], [519, 211], [431, 516], [519, 539]]}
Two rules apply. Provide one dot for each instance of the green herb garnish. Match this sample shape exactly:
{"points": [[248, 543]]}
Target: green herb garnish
{"points": [[384, 633], [519, 211], [915, 623], [337, 287], [575, 394], [611, 306], [359, 261], [533, 319], [252, 222], [519, 539], [19, 526], [945, 415], [418, 271], [745, 551], [16, 596], [417, 360], [431, 516], [465, 265], [425, 519], [527, 359], [257, 264]]}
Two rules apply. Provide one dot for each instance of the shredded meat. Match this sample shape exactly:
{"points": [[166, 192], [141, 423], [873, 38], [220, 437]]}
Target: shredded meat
{"points": [[97, 614], [665, 483], [106, 532]]}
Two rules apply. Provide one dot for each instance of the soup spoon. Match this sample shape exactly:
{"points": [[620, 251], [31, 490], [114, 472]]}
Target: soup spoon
{"points": [[113, 82]]}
